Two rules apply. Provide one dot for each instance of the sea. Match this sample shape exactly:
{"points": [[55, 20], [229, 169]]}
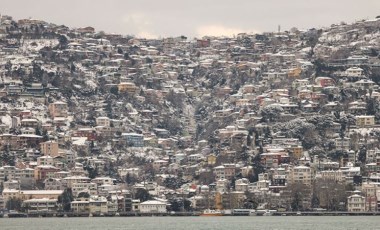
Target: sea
{"points": [[193, 223]]}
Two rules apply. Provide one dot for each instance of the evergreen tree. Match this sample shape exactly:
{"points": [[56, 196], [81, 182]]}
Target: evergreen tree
{"points": [[65, 199]]}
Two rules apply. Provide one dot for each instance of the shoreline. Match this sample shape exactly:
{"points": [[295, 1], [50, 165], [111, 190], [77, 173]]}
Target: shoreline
{"points": [[191, 214]]}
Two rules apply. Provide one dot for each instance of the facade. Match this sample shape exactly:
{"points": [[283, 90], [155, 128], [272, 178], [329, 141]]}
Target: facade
{"points": [[356, 203], [80, 206], [127, 87], [49, 148], [301, 174], [58, 109], [152, 206], [226, 171], [365, 121], [40, 205], [90, 188], [103, 121], [134, 139]]}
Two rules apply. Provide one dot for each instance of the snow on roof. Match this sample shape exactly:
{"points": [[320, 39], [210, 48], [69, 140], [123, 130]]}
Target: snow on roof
{"points": [[152, 202], [41, 192]]}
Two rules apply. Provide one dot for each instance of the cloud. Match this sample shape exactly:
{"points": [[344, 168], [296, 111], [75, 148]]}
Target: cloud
{"points": [[146, 34], [138, 24], [218, 30]]}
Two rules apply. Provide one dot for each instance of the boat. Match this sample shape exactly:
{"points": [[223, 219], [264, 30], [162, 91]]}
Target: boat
{"points": [[209, 212], [267, 213]]}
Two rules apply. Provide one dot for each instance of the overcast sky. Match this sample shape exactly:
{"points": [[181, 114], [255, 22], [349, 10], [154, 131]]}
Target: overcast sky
{"points": [[162, 18]]}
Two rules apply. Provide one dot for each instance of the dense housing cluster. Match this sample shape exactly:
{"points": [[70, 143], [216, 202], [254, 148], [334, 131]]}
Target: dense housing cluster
{"points": [[103, 123]]}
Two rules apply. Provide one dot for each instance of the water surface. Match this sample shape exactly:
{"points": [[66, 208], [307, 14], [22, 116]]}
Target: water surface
{"points": [[193, 223]]}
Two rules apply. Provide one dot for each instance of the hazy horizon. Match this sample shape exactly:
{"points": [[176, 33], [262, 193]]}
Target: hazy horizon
{"points": [[195, 18]]}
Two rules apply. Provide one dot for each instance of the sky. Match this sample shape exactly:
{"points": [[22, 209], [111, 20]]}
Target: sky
{"points": [[192, 18]]}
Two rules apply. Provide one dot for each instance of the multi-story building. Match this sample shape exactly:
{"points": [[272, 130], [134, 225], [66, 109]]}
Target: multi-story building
{"points": [[49, 148], [153, 206], [365, 121], [300, 174], [9, 173], [103, 121], [356, 203], [90, 188], [58, 109], [226, 171], [133, 139], [40, 205]]}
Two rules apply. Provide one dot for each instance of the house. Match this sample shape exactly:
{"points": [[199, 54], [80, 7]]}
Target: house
{"points": [[157, 164], [226, 171], [45, 160], [58, 109], [274, 157], [300, 174], [98, 205], [39, 194], [365, 121], [324, 81], [103, 121], [133, 139], [354, 72], [90, 188], [152, 206], [49, 148], [356, 203], [127, 87], [89, 133], [80, 206], [342, 143], [43, 172], [40, 205], [364, 84], [53, 184]]}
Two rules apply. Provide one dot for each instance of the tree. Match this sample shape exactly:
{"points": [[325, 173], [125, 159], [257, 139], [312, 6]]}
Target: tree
{"points": [[257, 168], [38, 131], [63, 41], [142, 194], [114, 90], [173, 182], [92, 172], [65, 199], [250, 204], [330, 194], [84, 195], [271, 112], [300, 129], [14, 204], [300, 195], [362, 156], [128, 179]]}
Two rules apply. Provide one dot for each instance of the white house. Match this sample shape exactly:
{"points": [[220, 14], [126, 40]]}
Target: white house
{"points": [[153, 206], [356, 203]]}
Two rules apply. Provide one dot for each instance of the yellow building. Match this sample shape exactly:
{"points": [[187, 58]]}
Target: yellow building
{"points": [[364, 121], [58, 109], [297, 151], [127, 87], [31, 194], [301, 174], [294, 73], [211, 159], [49, 148]]}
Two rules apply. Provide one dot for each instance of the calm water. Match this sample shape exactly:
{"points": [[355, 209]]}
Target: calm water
{"points": [[193, 223]]}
